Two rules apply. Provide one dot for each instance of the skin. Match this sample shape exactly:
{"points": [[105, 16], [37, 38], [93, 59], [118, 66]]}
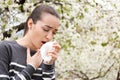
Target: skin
{"points": [[39, 33]]}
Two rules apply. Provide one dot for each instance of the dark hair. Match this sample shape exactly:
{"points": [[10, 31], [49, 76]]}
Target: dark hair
{"points": [[37, 12]]}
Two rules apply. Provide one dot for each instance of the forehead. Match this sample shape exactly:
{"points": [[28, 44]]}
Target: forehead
{"points": [[50, 20]]}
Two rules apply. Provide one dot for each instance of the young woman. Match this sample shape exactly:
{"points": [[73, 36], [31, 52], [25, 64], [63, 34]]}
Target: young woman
{"points": [[21, 59]]}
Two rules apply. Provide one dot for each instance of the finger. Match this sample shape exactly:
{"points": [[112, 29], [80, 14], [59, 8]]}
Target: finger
{"points": [[57, 47], [38, 52], [54, 57], [53, 54], [28, 52]]}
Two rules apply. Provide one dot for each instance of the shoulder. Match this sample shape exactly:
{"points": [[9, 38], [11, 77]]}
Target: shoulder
{"points": [[6, 43], [5, 49]]}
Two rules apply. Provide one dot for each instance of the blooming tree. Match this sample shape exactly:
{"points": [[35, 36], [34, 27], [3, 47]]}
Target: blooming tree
{"points": [[89, 35]]}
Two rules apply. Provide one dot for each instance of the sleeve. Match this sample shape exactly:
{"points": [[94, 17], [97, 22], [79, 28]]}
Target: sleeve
{"points": [[25, 74], [48, 71]]}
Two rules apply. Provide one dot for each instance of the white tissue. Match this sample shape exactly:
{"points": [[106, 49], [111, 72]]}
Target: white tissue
{"points": [[45, 49]]}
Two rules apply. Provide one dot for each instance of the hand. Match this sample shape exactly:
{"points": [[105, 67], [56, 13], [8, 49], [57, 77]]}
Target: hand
{"points": [[34, 60], [54, 53]]}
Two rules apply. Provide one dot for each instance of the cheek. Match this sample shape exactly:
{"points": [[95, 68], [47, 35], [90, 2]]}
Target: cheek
{"points": [[39, 33], [37, 38]]}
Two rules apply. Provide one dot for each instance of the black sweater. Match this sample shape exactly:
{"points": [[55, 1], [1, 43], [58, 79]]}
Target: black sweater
{"points": [[13, 64]]}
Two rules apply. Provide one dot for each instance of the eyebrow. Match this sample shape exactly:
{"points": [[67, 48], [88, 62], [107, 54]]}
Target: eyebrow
{"points": [[51, 27]]}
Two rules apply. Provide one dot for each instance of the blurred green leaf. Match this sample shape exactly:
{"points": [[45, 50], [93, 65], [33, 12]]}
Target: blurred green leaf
{"points": [[104, 44], [86, 9], [81, 16], [9, 2], [92, 42]]}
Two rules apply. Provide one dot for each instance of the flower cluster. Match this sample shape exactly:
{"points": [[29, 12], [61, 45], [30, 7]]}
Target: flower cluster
{"points": [[89, 35]]}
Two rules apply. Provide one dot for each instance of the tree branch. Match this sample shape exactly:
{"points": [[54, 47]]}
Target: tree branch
{"points": [[100, 76]]}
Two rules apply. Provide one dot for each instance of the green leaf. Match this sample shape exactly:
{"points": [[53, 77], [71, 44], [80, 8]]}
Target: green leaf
{"points": [[9, 2], [86, 10], [104, 44], [78, 29], [119, 45], [81, 16], [92, 42], [93, 29]]}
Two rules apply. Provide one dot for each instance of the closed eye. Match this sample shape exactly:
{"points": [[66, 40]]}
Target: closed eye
{"points": [[46, 29]]}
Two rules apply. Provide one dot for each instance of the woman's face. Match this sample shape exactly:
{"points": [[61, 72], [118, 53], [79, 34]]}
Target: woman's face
{"points": [[43, 30]]}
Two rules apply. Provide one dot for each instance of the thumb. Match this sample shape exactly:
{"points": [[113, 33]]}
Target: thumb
{"points": [[28, 53]]}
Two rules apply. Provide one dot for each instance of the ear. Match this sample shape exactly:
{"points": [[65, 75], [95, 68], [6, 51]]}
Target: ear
{"points": [[30, 23]]}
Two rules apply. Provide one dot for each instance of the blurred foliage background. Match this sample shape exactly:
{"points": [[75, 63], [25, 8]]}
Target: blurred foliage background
{"points": [[89, 35]]}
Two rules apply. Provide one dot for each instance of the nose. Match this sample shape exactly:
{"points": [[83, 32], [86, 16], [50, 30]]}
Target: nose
{"points": [[49, 36]]}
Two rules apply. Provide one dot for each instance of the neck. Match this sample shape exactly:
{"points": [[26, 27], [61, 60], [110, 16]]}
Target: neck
{"points": [[26, 42]]}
